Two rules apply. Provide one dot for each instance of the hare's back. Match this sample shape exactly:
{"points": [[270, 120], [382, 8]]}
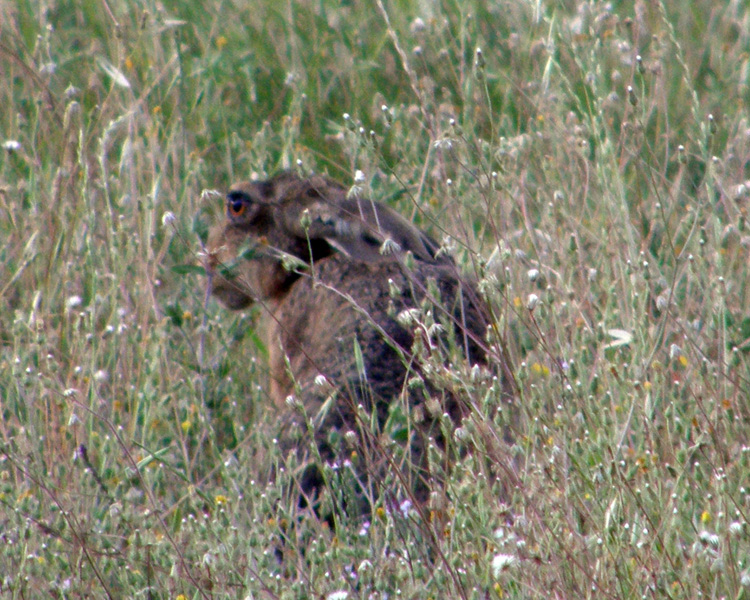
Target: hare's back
{"points": [[346, 303]]}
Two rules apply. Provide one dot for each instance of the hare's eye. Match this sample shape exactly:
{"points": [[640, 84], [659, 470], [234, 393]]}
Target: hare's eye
{"points": [[238, 203], [236, 208]]}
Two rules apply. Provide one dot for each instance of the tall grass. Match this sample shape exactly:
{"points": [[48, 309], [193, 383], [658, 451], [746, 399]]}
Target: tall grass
{"points": [[593, 155]]}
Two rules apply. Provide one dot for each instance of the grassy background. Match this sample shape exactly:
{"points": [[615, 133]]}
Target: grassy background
{"points": [[595, 155]]}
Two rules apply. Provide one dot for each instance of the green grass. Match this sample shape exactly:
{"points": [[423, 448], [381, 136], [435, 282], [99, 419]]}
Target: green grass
{"points": [[613, 187]]}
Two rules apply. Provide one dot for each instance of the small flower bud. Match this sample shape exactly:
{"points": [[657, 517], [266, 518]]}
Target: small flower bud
{"points": [[632, 98], [532, 302], [305, 219], [168, 219], [480, 62]]}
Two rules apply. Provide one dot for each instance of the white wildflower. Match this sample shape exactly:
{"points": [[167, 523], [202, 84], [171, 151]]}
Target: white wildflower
{"points": [[444, 143], [293, 402], [408, 317], [389, 247], [708, 538], [168, 218], [502, 562], [532, 302], [321, 381], [417, 25]]}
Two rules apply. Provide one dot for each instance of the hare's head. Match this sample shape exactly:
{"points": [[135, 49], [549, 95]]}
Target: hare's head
{"points": [[276, 227]]}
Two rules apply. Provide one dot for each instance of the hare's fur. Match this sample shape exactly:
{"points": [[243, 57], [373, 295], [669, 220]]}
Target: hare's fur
{"points": [[332, 274]]}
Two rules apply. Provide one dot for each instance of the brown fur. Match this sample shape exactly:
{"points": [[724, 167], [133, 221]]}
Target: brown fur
{"points": [[343, 291]]}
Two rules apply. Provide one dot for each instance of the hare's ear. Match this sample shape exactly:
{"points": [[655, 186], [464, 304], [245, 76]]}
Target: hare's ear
{"points": [[394, 235], [321, 221], [318, 209], [350, 236], [363, 230]]}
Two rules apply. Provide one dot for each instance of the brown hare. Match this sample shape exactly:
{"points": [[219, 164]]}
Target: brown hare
{"points": [[355, 294]]}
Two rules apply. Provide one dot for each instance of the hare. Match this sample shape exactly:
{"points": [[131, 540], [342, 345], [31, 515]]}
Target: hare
{"points": [[351, 290]]}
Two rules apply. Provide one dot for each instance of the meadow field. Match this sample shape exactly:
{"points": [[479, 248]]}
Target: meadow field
{"points": [[587, 162]]}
